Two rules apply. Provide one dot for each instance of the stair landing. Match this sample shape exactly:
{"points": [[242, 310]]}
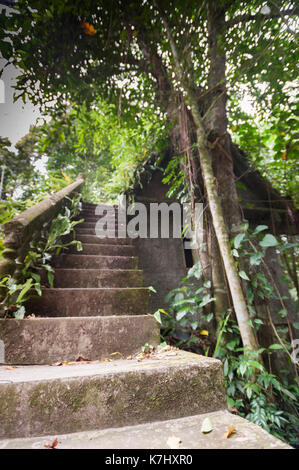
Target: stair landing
{"points": [[160, 434]]}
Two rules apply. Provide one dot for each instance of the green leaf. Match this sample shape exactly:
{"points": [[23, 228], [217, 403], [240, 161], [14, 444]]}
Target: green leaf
{"points": [[163, 311], [259, 229], [20, 313], [51, 279], [38, 289], [249, 392], [268, 240], [238, 239], [206, 300], [276, 346], [230, 402], [206, 426], [152, 289], [256, 364], [283, 313], [35, 276], [243, 368], [157, 316], [181, 314], [255, 259], [25, 289], [288, 393], [243, 275], [210, 316]]}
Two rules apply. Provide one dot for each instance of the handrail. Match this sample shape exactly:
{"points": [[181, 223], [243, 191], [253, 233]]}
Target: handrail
{"points": [[23, 228]]}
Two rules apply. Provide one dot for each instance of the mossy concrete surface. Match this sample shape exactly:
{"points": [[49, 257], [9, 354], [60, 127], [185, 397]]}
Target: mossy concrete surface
{"points": [[104, 249], [101, 241], [158, 435], [95, 277], [51, 340], [39, 400], [88, 302], [95, 262]]}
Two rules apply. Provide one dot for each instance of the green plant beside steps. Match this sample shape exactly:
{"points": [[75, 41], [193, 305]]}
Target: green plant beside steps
{"points": [[39, 257]]}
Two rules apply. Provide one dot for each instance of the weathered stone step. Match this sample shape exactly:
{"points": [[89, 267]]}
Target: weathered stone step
{"points": [[52, 340], [92, 231], [91, 214], [89, 302], [39, 400], [95, 262], [97, 211], [95, 218], [156, 435], [104, 249], [100, 225], [95, 277], [113, 241]]}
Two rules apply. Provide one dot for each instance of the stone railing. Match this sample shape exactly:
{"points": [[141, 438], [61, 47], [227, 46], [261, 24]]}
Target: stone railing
{"points": [[27, 226]]}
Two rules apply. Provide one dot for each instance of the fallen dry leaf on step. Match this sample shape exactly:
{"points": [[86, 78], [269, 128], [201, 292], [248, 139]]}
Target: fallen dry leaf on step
{"points": [[53, 445], [62, 363], [230, 431], [10, 368], [233, 410], [174, 442], [206, 426], [116, 353], [81, 359]]}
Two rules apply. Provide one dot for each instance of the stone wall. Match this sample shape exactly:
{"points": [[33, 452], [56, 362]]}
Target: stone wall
{"points": [[162, 259]]}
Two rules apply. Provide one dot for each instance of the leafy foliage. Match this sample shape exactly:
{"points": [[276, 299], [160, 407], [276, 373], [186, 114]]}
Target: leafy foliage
{"points": [[257, 394], [39, 257], [254, 392]]}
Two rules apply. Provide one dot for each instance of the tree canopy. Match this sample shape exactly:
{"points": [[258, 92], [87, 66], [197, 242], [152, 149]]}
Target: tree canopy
{"points": [[75, 52]]}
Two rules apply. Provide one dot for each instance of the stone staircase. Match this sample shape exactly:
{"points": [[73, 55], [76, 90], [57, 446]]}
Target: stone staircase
{"points": [[72, 366]]}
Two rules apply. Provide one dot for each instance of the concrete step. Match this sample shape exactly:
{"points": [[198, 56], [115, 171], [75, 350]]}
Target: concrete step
{"points": [[95, 262], [99, 233], [52, 340], [98, 215], [94, 277], [157, 435], [40, 400], [101, 227], [111, 241], [99, 212], [96, 218], [104, 249], [89, 302]]}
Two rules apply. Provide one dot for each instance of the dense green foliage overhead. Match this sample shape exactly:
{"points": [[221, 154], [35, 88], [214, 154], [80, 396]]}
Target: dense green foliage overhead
{"points": [[73, 52]]}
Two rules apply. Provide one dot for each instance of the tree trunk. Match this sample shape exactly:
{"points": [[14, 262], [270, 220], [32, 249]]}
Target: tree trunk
{"points": [[247, 333]]}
